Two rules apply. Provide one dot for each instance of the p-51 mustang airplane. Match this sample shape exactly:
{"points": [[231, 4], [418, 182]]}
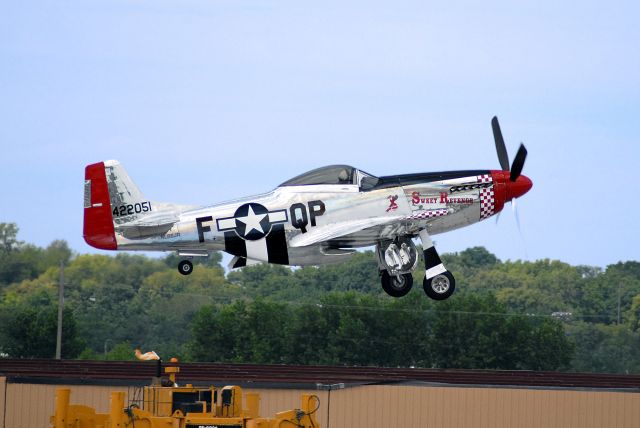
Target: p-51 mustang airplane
{"points": [[315, 218]]}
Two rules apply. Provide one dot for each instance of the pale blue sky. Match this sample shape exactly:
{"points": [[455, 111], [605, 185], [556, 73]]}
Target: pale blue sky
{"points": [[204, 101]]}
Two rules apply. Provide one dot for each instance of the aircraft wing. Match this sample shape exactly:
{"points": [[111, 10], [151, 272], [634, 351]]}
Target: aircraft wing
{"points": [[238, 262], [336, 230]]}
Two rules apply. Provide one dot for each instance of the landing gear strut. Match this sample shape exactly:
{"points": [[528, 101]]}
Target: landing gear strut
{"points": [[438, 282], [396, 260], [185, 267]]}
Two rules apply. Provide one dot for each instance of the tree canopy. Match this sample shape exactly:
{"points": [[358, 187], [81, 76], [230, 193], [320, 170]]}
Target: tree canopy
{"points": [[540, 315]]}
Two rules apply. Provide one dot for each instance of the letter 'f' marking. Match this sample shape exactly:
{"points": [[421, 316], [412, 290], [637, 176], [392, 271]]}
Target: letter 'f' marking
{"points": [[202, 229]]}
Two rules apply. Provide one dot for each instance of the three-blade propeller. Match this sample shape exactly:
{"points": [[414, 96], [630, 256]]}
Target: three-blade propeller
{"points": [[503, 157], [514, 171]]}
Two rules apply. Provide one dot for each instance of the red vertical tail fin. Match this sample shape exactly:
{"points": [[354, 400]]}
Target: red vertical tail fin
{"points": [[98, 230]]}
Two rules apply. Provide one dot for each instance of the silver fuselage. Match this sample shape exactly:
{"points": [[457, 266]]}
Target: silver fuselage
{"points": [[439, 206]]}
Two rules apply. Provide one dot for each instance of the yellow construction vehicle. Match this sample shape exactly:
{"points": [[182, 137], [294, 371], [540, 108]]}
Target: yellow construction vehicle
{"points": [[182, 407]]}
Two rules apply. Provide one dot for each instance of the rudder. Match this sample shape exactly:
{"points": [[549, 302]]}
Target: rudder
{"points": [[98, 230]]}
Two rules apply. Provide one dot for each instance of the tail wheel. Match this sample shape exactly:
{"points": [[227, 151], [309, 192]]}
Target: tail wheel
{"points": [[185, 267], [440, 286], [396, 285]]}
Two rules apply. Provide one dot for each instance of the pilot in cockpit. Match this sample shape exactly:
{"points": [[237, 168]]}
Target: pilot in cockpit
{"points": [[343, 177]]}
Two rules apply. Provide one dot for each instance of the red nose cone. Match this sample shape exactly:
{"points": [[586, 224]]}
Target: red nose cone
{"points": [[517, 188]]}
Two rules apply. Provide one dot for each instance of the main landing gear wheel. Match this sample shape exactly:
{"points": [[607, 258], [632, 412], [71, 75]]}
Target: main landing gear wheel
{"points": [[396, 285], [440, 286], [185, 267]]}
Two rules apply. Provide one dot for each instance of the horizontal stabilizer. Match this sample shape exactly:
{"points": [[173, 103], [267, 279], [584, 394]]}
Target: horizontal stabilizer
{"points": [[336, 230], [147, 226], [131, 231]]}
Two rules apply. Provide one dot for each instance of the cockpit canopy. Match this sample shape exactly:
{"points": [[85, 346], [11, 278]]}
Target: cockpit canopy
{"points": [[334, 174], [342, 175]]}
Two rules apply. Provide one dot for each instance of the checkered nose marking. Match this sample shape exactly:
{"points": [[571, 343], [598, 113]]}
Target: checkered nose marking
{"points": [[487, 197]]}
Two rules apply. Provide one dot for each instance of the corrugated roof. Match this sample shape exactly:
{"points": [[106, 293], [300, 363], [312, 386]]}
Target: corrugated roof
{"points": [[135, 372]]}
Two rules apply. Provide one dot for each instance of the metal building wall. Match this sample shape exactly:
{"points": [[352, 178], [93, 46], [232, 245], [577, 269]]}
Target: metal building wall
{"points": [[31, 405], [420, 406], [385, 406], [3, 396]]}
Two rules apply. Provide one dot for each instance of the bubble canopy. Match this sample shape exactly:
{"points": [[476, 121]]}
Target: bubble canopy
{"points": [[348, 175], [332, 174]]}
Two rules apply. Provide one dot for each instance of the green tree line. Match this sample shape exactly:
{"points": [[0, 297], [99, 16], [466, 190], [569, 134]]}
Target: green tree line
{"points": [[541, 315]]}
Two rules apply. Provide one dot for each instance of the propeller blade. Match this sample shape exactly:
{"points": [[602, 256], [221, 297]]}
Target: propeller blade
{"points": [[503, 157], [518, 163], [515, 213]]}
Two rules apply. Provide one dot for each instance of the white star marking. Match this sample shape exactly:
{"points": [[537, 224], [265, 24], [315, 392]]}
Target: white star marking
{"points": [[252, 220]]}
